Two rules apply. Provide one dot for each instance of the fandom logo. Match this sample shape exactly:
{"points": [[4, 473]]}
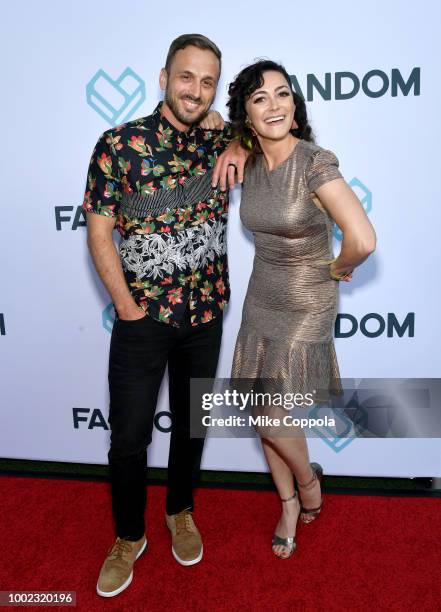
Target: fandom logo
{"points": [[115, 100], [373, 325], [346, 85], [2, 325], [75, 221], [364, 195], [93, 418]]}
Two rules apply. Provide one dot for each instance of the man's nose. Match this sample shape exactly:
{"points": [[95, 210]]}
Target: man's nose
{"points": [[195, 88]]}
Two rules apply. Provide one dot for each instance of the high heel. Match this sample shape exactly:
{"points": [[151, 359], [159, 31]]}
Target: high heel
{"points": [[290, 541], [308, 515]]}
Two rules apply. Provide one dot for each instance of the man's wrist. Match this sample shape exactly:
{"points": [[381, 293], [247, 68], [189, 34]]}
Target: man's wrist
{"points": [[128, 309]]}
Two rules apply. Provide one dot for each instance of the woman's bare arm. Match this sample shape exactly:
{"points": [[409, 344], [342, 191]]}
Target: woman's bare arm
{"points": [[359, 239]]}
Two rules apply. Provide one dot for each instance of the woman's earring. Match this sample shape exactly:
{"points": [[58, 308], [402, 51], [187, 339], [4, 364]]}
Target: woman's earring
{"points": [[249, 125]]}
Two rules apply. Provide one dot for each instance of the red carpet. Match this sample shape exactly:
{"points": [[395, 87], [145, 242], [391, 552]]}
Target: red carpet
{"points": [[363, 553]]}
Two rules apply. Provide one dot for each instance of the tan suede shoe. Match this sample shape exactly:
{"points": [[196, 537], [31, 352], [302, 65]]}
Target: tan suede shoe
{"points": [[186, 539], [117, 571]]}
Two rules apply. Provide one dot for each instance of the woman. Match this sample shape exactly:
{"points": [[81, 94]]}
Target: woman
{"points": [[292, 193]]}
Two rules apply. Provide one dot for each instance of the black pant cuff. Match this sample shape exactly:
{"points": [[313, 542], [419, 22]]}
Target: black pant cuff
{"points": [[177, 509], [131, 538]]}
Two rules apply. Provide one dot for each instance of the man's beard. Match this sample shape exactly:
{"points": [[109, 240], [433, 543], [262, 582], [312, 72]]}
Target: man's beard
{"points": [[185, 119]]}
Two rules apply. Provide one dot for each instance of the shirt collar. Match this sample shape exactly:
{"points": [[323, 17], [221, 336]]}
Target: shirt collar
{"points": [[160, 119]]}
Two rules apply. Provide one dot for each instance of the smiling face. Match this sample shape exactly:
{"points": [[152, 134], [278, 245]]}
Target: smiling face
{"points": [[190, 86], [271, 107]]}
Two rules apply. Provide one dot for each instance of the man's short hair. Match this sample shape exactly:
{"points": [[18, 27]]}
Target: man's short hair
{"points": [[196, 40]]}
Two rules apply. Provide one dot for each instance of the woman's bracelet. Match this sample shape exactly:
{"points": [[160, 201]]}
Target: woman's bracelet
{"points": [[332, 274]]}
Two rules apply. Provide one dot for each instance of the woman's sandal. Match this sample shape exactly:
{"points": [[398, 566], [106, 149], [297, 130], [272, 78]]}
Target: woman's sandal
{"points": [[308, 515], [290, 541]]}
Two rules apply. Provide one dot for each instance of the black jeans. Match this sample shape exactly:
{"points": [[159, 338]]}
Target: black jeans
{"points": [[139, 353]]}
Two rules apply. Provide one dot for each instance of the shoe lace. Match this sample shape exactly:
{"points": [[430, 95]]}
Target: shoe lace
{"points": [[119, 549], [183, 522]]}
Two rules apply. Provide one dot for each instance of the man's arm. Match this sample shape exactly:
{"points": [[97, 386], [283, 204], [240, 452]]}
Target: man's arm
{"points": [[108, 265], [232, 160], [101, 201], [229, 164]]}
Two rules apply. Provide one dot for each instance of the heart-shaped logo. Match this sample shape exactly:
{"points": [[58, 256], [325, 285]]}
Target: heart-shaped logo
{"points": [[346, 429], [115, 100], [364, 195], [108, 317]]}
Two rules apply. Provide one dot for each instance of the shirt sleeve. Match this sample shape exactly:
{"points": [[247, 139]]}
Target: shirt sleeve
{"points": [[227, 133], [322, 169], [103, 190]]}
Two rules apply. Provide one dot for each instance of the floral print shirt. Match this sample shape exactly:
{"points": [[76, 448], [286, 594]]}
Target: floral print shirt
{"points": [[157, 181]]}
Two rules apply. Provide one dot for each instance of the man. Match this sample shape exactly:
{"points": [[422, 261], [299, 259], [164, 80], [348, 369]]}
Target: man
{"points": [[151, 178]]}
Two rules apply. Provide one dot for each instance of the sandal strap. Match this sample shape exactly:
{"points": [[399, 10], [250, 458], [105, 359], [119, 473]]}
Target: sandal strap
{"points": [[304, 510], [288, 542], [306, 484], [289, 498], [317, 472]]}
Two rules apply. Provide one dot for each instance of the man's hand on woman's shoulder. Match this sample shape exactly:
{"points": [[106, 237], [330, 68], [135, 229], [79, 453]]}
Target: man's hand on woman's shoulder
{"points": [[212, 121], [230, 166]]}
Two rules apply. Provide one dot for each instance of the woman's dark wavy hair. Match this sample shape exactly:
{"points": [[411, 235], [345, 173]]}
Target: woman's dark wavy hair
{"points": [[245, 83]]}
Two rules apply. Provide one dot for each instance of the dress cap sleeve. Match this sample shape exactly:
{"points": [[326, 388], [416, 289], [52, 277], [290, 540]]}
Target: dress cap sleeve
{"points": [[322, 169]]}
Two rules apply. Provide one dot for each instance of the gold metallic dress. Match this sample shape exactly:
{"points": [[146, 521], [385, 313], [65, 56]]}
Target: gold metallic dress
{"points": [[291, 303]]}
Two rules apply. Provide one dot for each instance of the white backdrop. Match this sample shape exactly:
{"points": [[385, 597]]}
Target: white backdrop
{"points": [[53, 343]]}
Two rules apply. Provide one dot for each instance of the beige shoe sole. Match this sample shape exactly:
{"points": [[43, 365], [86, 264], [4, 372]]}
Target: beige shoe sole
{"points": [[192, 561], [126, 583]]}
